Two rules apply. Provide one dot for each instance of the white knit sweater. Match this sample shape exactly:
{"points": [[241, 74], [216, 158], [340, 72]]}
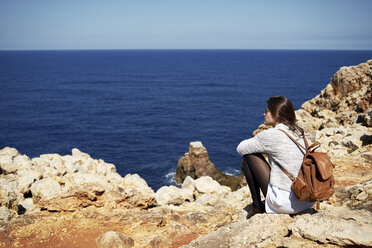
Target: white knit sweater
{"points": [[280, 149]]}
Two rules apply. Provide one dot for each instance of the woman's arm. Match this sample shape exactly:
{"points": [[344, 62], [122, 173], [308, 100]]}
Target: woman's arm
{"points": [[249, 146]]}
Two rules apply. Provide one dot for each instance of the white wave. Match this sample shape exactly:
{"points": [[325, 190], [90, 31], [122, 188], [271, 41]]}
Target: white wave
{"points": [[232, 171], [170, 178]]}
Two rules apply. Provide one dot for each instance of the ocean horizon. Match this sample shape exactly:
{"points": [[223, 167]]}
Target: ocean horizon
{"points": [[140, 108]]}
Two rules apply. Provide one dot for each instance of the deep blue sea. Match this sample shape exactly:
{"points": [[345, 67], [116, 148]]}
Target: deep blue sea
{"points": [[139, 109]]}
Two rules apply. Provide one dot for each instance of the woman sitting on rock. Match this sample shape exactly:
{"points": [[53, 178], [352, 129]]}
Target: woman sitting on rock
{"points": [[274, 184]]}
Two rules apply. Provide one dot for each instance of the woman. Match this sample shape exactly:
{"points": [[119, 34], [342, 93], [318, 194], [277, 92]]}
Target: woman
{"points": [[274, 184]]}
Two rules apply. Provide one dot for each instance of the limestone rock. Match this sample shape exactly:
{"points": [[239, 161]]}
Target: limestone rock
{"points": [[114, 239], [158, 242], [207, 200], [331, 227], [8, 194], [347, 96], [5, 215], [25, 178], [261, 227], [167, 195], [28, 205], [340, 226], [138, 192], [340, 119], [196, 164], [45, 189], [134, 181], [206, 185], [188, 183], [7, 165], [357, 196]]}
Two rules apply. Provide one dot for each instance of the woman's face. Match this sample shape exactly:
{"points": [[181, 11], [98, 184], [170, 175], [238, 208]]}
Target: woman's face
{"points": [[269, 120]]}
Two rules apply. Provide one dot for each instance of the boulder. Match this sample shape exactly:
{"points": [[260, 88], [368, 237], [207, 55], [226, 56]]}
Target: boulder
{"points": [[81, 180], [357, 196], [138, 193], [332, 226], [8, 194], [206, 185], [188, 183], [114, 239], [7, 164], [135, 182], [207, 200], [28, 205], [248, 233], [25, 178], [45, 189], [340, 226], [167, 195], [5, 215]]}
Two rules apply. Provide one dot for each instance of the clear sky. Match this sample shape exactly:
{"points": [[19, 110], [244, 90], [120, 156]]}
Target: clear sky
{"points": [[191, 24]]}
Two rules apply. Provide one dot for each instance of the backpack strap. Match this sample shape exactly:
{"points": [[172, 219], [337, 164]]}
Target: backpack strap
{"points": [[286, 172], [307, 147]]}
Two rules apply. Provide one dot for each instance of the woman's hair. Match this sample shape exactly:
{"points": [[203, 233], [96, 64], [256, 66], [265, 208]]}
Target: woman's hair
{"points": [[282, 111]]}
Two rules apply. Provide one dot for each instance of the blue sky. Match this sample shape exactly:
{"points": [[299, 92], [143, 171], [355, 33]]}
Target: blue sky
{"points": [[173, 24]]}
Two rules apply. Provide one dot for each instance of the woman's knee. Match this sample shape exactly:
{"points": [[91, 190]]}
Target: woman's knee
{"points": [[248, 158]]}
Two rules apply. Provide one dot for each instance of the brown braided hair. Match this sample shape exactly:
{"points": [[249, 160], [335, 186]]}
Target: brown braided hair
{"points": [[282, 111]]}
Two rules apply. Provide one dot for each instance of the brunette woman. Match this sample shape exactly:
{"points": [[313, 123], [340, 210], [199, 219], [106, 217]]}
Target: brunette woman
{"points": [[271, 180]]}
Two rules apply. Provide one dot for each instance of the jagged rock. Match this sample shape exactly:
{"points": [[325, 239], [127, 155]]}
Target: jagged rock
{"points": [[340, 119], [206, 185], [138, 192], [340, 226], [261, 227], [7, 165], [158, 242], [89, 195], [45, 189], [356, 196], [28, 205], [347, 96], [134, 181], [67, 183], [25, 178], [335, 226], [114, 239], [167, 195], [75, 180], [5, 215], [196, 164], [8, 196], [188, 183], [207, 200], [241, 196]]}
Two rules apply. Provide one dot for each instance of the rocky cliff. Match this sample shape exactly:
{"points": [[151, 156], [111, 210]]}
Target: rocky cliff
{"points": [[340, 119], [77, 201]]}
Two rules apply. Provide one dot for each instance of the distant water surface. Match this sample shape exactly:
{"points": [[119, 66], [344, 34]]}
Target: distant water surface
{"points": [[139, 109]]}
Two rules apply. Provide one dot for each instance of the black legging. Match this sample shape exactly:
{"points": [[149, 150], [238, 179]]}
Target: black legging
{"points": [[257, 172]]}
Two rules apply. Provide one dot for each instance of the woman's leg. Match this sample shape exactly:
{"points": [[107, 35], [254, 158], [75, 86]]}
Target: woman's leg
{"points": [[257, 173]]}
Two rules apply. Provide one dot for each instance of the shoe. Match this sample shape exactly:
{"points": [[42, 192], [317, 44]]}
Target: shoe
{"points": [[257, 209]]}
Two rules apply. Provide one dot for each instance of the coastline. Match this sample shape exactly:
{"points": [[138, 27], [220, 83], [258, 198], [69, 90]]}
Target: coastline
{"points": [[52, 193]]}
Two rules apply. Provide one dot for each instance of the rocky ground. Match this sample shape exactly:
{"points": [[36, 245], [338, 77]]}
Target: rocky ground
{"points": [[77, 201]]}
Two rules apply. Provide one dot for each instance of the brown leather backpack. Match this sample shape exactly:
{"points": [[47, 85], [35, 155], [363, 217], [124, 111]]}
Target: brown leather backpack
{"points": [[315, 179]]}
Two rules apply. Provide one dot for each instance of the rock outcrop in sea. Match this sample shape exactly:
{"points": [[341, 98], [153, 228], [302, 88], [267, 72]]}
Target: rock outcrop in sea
{"points": [[196, 164], [78, 201]]}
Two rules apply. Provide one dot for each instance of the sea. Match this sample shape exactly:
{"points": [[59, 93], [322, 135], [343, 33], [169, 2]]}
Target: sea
{"points": [[140, 109]]}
